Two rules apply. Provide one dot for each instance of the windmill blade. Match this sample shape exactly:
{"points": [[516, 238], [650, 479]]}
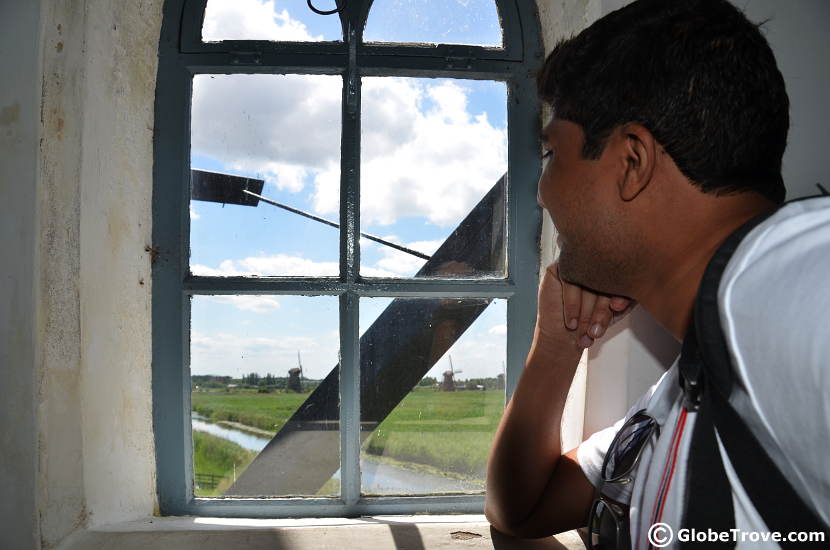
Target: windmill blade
{"points": [[395, 352]]}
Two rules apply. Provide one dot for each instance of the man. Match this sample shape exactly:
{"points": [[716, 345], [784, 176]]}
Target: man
{"points": [[669, 123]]}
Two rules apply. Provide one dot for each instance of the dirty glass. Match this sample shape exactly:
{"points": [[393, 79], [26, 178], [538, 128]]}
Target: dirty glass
{"points": [[432, 392], [474, 22], [278, 137], [264, 395], [276, 20], [432, 201]]}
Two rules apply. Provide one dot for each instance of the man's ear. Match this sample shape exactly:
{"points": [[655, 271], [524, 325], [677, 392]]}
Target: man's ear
{"points": [[639, 149]]}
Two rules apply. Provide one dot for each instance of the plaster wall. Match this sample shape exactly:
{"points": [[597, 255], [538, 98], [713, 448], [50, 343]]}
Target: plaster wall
{"points": [[116, 191], [19, 124], [797, 32], [61, 502], [82, 231]]}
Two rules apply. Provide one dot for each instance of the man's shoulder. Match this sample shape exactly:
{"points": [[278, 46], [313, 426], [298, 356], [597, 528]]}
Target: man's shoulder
{"points": [[774, 293], [773, 300], [783, 259]]}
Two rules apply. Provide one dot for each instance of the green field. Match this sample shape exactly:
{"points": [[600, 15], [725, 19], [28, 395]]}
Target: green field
{"points": [[450, 431], [217, 456], [447, 431], [266, 411]]}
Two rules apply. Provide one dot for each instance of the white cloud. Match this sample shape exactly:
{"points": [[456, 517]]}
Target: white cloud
{"points": [[401, 263], [278, 265], [225, 353], [424, 153], [193, 214], [498, 330], [254, 345], [251, 20], [282, 127], [256, 304], [275, 264]]}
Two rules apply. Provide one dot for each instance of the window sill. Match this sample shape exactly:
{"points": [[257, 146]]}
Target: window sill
{"points": [[419, 532]]}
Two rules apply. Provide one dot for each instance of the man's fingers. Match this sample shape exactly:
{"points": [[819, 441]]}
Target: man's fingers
{"points": [[586, 312], [619, 315], [571, 304], [589, 299], [601, 317], [619, 303]]}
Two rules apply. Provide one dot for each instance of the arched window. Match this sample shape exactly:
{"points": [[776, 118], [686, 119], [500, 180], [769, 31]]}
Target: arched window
{"points": [[347, 251]]}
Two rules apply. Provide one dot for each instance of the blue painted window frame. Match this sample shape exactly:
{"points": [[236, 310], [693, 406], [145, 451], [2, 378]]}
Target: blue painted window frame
{"points": [[181, 56]]}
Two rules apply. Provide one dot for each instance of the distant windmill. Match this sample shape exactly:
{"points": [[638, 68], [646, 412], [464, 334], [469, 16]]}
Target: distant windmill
{"points": [[449, 378], [295, 376]]}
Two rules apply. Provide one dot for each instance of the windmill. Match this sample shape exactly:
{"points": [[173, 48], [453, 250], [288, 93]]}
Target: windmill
{"points": [[295, 376], [449, 378]]}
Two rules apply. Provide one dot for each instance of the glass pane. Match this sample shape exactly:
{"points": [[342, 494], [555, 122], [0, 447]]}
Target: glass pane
{"points": [[278, 20], [433, 155], [277, 136], [264, 399], [432, 393], [473, 22]]}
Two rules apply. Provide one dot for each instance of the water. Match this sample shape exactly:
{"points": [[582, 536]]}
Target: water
{"points": [[246, 440], [377, 477]]}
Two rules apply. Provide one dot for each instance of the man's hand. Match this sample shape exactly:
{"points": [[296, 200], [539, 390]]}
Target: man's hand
{"points": [[533, 489], [575, 313]]}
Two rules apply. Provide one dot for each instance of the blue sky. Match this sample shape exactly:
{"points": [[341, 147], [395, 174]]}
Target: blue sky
{"points": [[431, 148], [445, 21]]}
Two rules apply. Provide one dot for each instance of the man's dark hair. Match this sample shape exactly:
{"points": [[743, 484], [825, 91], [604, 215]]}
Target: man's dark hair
{"points": [[697, 73]]}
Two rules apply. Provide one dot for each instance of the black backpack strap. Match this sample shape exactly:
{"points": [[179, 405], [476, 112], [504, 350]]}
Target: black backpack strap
{"points": [[710, 385], [708, 494]]}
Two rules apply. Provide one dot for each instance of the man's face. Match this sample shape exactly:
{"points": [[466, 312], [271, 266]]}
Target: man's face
{"points": [[578, 194]]}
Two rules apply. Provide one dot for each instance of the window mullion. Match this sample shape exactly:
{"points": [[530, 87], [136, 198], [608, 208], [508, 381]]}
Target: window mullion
{"points": [[524, 220], [349, 271], [350, 171], [349, 399]]}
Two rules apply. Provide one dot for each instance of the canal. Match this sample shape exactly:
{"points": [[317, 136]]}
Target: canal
{"points": [[377, 477]]}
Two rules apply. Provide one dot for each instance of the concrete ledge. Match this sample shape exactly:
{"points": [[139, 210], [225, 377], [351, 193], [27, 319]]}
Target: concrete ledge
{"points": [[420, 532]]}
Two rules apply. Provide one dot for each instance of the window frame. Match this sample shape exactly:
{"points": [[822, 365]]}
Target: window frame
{"points": [[181, 56]]}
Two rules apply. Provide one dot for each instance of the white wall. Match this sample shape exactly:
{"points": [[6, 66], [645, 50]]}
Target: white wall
{"points": [[19, 110], [798, 33], [76, 127]]}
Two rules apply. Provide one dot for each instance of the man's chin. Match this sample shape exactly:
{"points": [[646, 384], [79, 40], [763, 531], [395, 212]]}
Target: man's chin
{"points": [[569, 270], [577, 272]]}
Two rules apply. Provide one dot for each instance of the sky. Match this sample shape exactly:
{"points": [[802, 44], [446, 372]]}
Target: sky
{"points": [[430, 150]]}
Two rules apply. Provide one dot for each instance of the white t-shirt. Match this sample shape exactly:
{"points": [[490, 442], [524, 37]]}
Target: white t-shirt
{"points": [[774, 304]]}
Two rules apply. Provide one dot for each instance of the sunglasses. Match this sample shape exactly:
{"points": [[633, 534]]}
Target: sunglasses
{"points": [[608, 520]]}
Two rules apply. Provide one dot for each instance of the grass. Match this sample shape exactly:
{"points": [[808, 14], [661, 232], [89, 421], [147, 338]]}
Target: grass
{"points": [[448, 431], [218, 456], [266, 411]]}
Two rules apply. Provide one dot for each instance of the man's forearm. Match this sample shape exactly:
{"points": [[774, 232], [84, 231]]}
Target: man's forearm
{"points": [[527, 445]]}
